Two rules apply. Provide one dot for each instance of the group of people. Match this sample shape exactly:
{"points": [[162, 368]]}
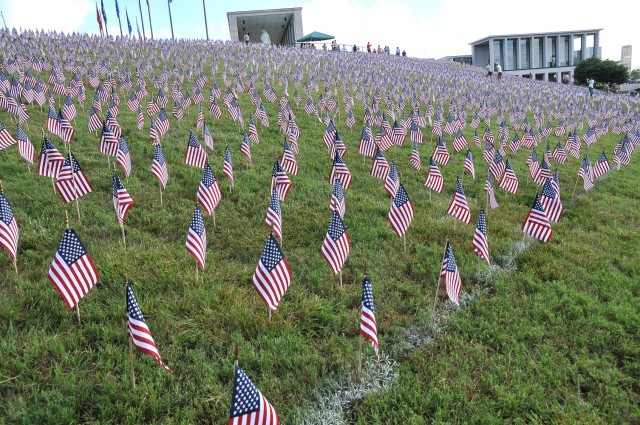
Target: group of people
{"points": [[496, 68], [386, 50]]}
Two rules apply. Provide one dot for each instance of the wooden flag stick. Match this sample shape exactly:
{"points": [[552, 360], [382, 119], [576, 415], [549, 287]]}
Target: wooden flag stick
{"points": [[340, 278], [214, 217], [575, 187], [237, 356], [404, 242], [133, 373], [124, 238], [196, 272], [160, 185], [360, 337]]}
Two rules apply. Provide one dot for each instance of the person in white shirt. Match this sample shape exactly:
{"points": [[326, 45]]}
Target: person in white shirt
{"points": [[246, 38], [499, 71]]}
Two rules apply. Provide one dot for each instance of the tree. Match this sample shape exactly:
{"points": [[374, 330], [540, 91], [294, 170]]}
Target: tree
{"points": [[602, 71], [634, 75]]}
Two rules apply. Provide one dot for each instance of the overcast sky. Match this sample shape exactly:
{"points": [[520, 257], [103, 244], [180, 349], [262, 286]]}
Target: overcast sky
{"points": [[424, 28]]}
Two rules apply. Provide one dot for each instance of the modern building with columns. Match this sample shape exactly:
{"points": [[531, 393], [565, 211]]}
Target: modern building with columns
{"points": [[549, 56], [284, 26]]}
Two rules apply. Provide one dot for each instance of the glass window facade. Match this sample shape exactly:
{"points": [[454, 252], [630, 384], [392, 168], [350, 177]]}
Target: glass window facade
{"points": [[511, 61], [536, 59], [551, 58], [577, 49], [525, 53], [588, 51], [497, 52], [563, 51]]}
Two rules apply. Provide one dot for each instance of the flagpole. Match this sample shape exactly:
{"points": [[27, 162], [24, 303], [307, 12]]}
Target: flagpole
{"points": [[170, 19], [75, 188], [360, 338], [206, 27], [141, 20], [160, 185], [150, 24], [119, 23], [435, 298]]}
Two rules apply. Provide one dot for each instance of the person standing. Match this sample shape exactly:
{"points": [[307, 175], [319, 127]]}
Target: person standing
{"points": [[368, 47], [489, 70], [355, 48], [499, 71], [590, 84], [397, 51], [246, 38]]}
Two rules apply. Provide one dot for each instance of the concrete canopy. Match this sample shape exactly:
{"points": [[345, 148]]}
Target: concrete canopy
{"points": [[282, 25]]}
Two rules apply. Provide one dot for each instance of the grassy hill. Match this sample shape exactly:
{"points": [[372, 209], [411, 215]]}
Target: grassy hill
{"points": [[548, 335]]}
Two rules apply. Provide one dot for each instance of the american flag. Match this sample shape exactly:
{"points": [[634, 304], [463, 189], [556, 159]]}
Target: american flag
{"points": [[497, 165], [195, 154], [380, 166], [391, 183], [516, 142], [337, 198], [108, 141], [533, 164], [208, 140], [162, 122], [415, 157], [458, 206], [434, 179], [94, 121], [550, 201], [459, 142], [273, 275], [177, 111], [227, 166], [366, 146], [245, 148], [248, 405], [449, 272], [468, 164], [509, 181], [559, 154], [336, 244], [600, 168], [586, 175], [124, 157], [65, 128], [253, 131], [209, 190], [159, 166], [415, 135], [441, 154], [487, 136], [121, 199], [273, 220], [368, 328], [437, 126], [401, 212], [152, 107], [589, 137], [536, 224], [261, 115], [488, 152], [547, 130], [53, 125], [71, 182], [24, 145], [139, 331], [488, 187], [132, 102], [9, 232], [50, 160], [573, 145], [480, 244], [6, 139], [350, 120], [544, 172], [449, 127], [340, 171], [503, 133], [288, 160], [196, 243], [72, 271], [69, 109], [329, 134]]}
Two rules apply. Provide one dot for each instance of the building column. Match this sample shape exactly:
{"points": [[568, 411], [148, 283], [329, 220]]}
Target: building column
{"points": [[518, 61], [583, 47], [504, 54], [544, 54], [491, 60], [596, 44]]}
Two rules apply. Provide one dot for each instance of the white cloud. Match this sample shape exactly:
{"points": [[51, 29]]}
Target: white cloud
{"points": [[60, 15]]}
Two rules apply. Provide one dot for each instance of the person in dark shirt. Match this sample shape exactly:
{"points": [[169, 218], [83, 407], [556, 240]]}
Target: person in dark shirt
{"points": [[404, 53]]}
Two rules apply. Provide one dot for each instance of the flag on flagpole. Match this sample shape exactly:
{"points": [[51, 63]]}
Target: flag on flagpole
{"points": [[536, 224], [72, 271], [458, 206], [368, 328], [9, 232], [139, 331], [196, 243], [273, 220], [248, 405], [451, 275], [336, 245], [273, 275], [480, 244], [122, 201], [401, 212], [71, 182], [209, 193]]}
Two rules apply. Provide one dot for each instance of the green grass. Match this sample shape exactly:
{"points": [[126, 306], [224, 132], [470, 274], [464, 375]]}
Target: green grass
{"points": [[553, 340]]}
